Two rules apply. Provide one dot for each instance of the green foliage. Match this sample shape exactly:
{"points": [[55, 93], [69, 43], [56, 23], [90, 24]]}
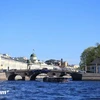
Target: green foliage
{"points": [[89, 54]]}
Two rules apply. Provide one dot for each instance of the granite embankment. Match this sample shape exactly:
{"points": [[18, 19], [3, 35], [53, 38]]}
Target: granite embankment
{"points": [[3, 76]]}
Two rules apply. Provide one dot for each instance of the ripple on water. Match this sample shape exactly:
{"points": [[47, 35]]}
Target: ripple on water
{"points": [[31, 90]]}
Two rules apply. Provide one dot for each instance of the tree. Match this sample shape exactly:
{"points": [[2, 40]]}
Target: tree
{"points": [[97, 50], [87, 57], [89, 54]]}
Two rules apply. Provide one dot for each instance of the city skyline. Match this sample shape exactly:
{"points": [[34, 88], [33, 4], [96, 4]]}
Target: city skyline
{"points": [[54, 29]]}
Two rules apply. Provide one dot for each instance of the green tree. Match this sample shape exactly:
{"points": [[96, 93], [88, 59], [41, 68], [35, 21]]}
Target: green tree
{"points": [[89, 54], [97, 50]]}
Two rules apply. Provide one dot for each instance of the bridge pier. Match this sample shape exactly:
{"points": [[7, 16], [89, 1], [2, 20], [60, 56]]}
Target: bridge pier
{"points": [[32, 78], [23, 78]]}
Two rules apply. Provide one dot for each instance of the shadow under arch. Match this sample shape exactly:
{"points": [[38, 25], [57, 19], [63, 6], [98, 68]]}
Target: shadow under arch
{"points": [[12, 77], [36, 73]]}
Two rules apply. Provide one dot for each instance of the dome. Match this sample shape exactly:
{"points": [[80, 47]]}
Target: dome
{"points": [[33, 55], [33, 58]]}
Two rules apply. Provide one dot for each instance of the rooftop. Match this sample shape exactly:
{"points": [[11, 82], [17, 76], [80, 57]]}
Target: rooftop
{"points": [[96, 61], [19, 59]]}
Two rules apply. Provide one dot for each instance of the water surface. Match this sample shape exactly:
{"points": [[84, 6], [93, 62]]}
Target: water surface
{"points": [[32, 90]]}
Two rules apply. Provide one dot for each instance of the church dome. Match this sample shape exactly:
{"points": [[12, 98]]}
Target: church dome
{"points": [[33, 58], [33, 55]]}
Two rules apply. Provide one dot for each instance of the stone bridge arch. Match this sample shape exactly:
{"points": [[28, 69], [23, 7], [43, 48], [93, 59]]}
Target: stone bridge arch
{"points": [[13, 76], [36, 73], [41, 76]]}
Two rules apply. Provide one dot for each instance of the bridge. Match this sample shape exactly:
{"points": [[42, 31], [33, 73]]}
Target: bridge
{"points": [[32, 74]]}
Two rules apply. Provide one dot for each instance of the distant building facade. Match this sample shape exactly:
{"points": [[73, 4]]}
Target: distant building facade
{"points": [[22, 63], [53, 62], [62, 64], [7, 63]]}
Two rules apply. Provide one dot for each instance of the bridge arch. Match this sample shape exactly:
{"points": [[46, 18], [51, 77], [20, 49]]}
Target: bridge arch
{"points": [[36, 73], [41, 76], [13, 77]]}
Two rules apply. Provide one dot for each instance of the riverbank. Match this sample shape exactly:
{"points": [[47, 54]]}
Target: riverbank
{"points": [[91, 77], [86, 76], [3, 76]]}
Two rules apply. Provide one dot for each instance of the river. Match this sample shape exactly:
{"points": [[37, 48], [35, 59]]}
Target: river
{"points": [[33, 90]]}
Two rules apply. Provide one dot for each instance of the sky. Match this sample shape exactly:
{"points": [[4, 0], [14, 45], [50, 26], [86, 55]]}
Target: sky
{"points": [[55, 29]]}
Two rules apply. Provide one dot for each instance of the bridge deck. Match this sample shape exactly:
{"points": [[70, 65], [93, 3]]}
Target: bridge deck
{"points": [[39, 70]]}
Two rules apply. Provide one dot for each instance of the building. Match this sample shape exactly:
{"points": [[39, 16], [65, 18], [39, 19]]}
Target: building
{"points": [[65, 63], [37, 64], [8, 63], [34, 59], [53, 62], [76, 66], [22, 63], [94, 66]]}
